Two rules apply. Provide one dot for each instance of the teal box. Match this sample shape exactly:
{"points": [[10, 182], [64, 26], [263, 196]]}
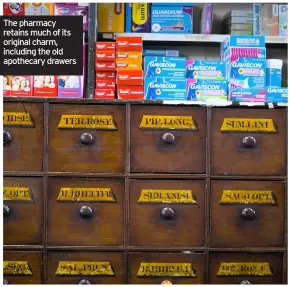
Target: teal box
{"points": [[162, 88], [276, 95], [171, 19], [164, 66], [128, 18]]}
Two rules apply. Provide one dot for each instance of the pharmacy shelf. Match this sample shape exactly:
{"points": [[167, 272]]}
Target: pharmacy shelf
{"points": [[149, 37]]}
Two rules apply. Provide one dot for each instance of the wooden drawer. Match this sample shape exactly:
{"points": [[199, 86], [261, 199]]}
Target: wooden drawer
{"points": [[168, 139], [155, 268], [248, 141], [73, 267], [240, 268], [22, 136], [247, 213], [23, 210], [162, 210], [22, 267], [85, 211], [87, 138]]}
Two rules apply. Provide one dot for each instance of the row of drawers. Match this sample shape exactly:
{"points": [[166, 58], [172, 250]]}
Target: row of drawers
{"points": [[99, 212], [69, 267], [161, 139]]}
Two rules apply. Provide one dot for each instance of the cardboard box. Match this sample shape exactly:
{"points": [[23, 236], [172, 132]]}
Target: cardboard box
{"points": [[105, 94], [276, 95], [22, 86], [105, 66], [111, 17], [105, 46], [39, 9], [131, 92], [105, 84], [6, 86], [129, 56], [239, 20], [13, 9], [247, 95], [45, 86], [128, 65], [105, 56], [127, 77], [129, 43], [239, 13], [283, 20], [70, 86], [105, 75], [161, 53]]}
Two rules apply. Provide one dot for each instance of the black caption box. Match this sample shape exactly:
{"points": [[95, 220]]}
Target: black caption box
{"points": [[41, 45]]}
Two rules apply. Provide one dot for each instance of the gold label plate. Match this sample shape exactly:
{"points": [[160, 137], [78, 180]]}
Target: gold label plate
{"points": [[17, 193], [86, 194], [96, 122], [166, 196], [168, 122], [248, 125], [248, 197], [245, 268], [85, 268], [17, 119], [166, 269], [16, 268]]}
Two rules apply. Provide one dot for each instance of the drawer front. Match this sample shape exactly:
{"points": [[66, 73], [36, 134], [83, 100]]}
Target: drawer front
{"points": [[241, 268], [87, 138], [168, 139], [23, 134], [248, 142], [157, 268], [22, 267], [73, 267], [247, 213], [87, 212], [161, 210], [23, 210]]}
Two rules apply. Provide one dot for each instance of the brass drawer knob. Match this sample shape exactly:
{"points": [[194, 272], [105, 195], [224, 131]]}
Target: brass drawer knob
{"points": [[86, 139], [167, 213], [5, 282], [168, 138], [84, 282], [7, 137], [6, 211], [249, 142], [166, 282], [244, 282], [249, 214], [86, 212]]}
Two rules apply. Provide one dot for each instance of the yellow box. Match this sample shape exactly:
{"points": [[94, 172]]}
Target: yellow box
{"points": [[39, 9], [111, 17]]}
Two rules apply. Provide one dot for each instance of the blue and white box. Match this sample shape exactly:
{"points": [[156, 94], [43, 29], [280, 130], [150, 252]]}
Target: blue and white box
{"points": [[247, 95], [161, 88], [164, 66], [277, 95], [161, 53]]}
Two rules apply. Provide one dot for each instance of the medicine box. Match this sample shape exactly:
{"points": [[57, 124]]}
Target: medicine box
{"points": [[129, 56], [161, 53], [129, 43], [171, 19], [239, 13], [22, 86], [105, 94], [240, 32], [6, 86], [105, 66], [105, 56], [105, 83], [128, 65], [164, 88], [283, 20], [277, 95], [111, 17], [13, 9], [164, 66], [45, 86], [131, 92], [247, 95], [127, 77], [241, 27], [105, 75], [105, 46], [70, 86], [239, 20], [39, 9]]}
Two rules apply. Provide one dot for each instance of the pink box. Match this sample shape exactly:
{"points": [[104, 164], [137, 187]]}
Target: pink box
{"points": [[6, 86], [22, 86], [45, 86]]}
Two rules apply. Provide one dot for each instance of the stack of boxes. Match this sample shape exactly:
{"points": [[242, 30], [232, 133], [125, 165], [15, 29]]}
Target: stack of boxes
{"points": [[105, 70], [239, 22], [129, 78]]}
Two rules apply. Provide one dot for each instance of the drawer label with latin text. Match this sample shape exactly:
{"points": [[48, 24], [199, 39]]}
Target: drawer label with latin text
{"points": [[86, 194], [167, 196], [96, 122], [85, 268], [166, 269], [248, 197], [248, 125], [16, 268], [245, 268], [17, 193], [152, 122], [17, 119]]}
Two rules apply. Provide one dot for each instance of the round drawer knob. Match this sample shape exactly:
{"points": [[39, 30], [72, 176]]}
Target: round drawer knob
{"points": [[86, 139], [166, 282], [168, 138], [244, 282], [249, 142], [6, 211], [248, 214], [5, 282], [7, 137], [167, 213], [84, 282], [86, 212]]}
